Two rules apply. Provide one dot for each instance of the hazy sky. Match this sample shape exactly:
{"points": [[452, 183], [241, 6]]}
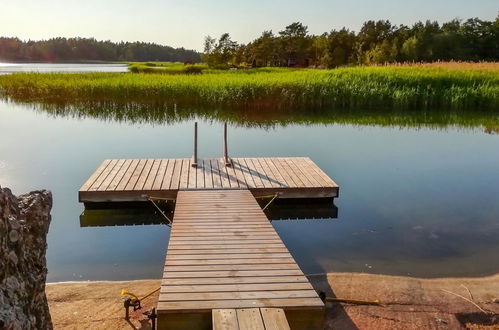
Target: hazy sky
{"points": [[186, 22]]}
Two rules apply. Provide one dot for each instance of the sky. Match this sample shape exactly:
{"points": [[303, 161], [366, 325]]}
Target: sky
{"points": [[185, 23]]}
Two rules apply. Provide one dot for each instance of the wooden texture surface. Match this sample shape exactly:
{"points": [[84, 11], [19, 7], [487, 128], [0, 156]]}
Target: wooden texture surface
{"points": [[249, 319], [138, 179], [224, 254]]}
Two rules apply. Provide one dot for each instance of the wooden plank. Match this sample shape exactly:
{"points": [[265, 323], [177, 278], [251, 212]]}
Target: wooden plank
{"points": [[228, 251], [306, 169], [285, 167], [277, 175], [249, 319], [269, 175], [274, 319], [282, 172], [112, 174], [143, 176], [232, 273], [177, 171], [226, 246], [160, 175], [235, 280], [320, 172], [136, 174], [103, 175], [151, 177], [167, 180], [222, 255], [241, 168], [260, 172], [188, 296], [186, 306], [119, 175], [236, 287], [224, 319], [127, 176], [226, 237], [254, 174], [95, 175], [184, 176], [234, 234], [306, 180], [200, 175], [208, 176], [231, 175], [178, 242], [215, 172], [222, 169], [176, 262], [192, 176], [239, 175], [195, 268]]}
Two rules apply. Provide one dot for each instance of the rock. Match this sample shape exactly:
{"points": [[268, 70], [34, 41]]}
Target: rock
{"points": [[24, 223]]}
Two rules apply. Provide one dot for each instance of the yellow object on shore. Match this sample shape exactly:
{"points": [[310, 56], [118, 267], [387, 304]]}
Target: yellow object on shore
{"points": [[127, 293]]}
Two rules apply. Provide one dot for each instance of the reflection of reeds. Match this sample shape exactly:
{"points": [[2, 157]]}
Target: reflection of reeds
{"points": [[159, 112], [396, 87]]}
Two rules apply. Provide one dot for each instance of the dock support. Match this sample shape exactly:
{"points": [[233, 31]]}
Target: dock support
{"points": [[195, 156], [226, 152]]}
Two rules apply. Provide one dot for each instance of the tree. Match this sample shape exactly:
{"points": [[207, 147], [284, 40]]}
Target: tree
{"points": [[410, 49], [294, 43]]}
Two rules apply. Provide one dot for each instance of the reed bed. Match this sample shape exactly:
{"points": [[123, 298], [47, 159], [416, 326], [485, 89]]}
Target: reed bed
{"points": [[396, 87]]}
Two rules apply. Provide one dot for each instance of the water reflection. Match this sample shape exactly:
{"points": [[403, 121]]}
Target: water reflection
{"points": [[162, 112], [133, 214]]}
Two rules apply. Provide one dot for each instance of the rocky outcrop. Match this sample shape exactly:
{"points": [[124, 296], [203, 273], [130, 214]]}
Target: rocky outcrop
{"points": [[24, 223]]}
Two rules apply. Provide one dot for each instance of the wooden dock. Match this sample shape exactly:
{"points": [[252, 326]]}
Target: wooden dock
{"points": [[127, 180], [225, 266], [224, 254]]}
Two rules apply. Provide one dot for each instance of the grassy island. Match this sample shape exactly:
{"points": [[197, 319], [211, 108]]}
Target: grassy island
{"points": [[418, 86]]}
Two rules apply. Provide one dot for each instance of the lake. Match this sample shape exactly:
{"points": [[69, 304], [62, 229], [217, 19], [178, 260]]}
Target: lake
{"points": [[419, 193], [6, 68]]}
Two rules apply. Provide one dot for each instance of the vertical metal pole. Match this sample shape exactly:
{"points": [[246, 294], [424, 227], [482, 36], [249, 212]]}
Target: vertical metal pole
{"points": [[226, 152], [195, 156]]}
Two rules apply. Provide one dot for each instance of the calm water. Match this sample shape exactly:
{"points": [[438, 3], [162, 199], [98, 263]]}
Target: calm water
{"points": [[6, 68], [418, 196]]}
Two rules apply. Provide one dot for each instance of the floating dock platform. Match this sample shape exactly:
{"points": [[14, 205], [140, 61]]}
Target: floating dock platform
{"points": [[226, 267], [131, 180]]}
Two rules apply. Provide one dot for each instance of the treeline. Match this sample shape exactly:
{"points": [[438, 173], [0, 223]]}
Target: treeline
{"points": [[83, 49], [377, 42]]}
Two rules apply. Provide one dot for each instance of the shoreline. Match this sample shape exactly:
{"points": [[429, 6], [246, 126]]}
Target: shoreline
{"points": [[408, 303], [306, 275]]}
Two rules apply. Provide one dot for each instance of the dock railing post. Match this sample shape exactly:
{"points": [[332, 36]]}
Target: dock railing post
{"points": [[226, 152], [195, 156]]}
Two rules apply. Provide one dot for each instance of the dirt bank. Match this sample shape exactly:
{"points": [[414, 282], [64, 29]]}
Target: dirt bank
{"points": [[408, 303]]}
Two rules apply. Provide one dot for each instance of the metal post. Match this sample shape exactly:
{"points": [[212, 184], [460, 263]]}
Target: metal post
{"points": [[195, 156], [226, 152]]}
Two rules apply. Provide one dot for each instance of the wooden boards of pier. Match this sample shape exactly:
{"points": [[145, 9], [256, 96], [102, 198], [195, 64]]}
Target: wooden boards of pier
{"points": [[250, 319], [127, 180], [224, 254]]}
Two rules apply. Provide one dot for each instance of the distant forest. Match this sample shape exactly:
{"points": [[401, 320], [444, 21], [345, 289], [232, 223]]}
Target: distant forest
{"points": [[377, 42], [83, 49]]}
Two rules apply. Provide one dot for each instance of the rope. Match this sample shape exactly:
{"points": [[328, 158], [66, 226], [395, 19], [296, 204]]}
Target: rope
{"points": [[128, 293], [275, 196], [160, 210]]}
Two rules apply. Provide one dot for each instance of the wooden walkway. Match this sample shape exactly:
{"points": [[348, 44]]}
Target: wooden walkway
{"points": [[224, 254], [250, 319], [118, 180]]}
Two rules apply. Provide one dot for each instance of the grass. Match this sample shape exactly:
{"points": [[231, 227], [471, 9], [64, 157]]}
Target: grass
{"points": [[166, 67], [421, 86]]}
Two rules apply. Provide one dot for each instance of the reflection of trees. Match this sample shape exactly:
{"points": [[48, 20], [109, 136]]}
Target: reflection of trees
{"points": [[161, 112]]}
